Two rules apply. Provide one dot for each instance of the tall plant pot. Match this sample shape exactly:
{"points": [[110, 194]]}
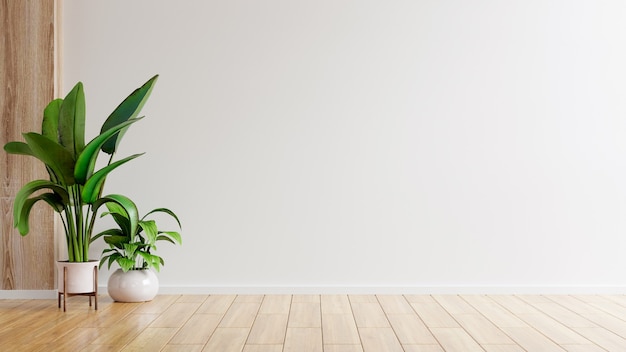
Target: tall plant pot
{"points": [[77, 278], [139, 285]]}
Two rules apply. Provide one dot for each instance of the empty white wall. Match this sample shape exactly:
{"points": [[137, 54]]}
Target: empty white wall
{"points": [[461, 144]]}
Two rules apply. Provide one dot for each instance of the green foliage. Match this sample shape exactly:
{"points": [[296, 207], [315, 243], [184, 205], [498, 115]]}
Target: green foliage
{"points": [[132, 244], [127, 110], [75, 188]]}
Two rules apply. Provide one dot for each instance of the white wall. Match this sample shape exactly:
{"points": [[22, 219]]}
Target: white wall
{"points": [[462, 144]]}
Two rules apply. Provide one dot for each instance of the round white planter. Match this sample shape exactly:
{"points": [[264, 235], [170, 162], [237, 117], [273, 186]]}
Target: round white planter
{"points": [[77, 277], [133, 285]]}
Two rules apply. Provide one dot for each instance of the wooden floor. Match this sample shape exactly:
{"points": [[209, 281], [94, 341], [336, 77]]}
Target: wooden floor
{"points": [[329, 323]]}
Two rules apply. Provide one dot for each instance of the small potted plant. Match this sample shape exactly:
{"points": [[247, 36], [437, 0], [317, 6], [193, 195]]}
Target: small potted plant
{"points": [[132, 245], [74, 188]]}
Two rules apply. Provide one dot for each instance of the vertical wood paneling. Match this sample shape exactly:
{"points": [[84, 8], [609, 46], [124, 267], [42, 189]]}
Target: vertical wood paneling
{"points": [[28, 81]]}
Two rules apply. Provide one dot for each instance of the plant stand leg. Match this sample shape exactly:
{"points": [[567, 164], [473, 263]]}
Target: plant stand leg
{"points": [[64, 286], [95, 287]]}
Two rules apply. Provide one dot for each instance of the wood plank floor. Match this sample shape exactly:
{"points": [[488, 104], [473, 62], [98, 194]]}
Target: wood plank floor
{"points": [[316, 323]]}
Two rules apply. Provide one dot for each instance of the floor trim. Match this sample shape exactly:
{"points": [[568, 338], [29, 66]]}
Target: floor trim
{"points": [[28, 294], [353, 290], [534, 290]]}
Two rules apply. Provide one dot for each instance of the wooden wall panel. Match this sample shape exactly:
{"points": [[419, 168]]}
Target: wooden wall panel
{"points": [[27, 84]]}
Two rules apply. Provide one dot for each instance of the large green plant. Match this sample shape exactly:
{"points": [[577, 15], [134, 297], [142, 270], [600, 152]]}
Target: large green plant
{"points": [[133, 243], [74, 189]]}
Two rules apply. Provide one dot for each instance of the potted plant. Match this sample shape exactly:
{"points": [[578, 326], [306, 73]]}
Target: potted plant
{"points": [[131, 246], [74, 188]]}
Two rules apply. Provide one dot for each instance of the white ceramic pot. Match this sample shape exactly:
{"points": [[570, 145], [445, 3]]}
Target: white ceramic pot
{"points": [[133, 286], [78, 277]]}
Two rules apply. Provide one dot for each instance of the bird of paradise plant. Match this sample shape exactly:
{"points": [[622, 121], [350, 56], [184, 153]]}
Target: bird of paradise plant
{"points": [[74, 188]]}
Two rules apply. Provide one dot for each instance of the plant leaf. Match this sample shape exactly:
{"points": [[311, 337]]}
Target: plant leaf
{"points": [[121, 219], [50, 123], [152, 260], [129, 207], [167, 211], [114, 240], [86, 162], [130, 248], [165, 238], [125, 263], [114, 258], [102, 261], [107, 233], [94, 184], [151, 230], [19, 148], [54, 200], [28, 189], [51, 153], [175, 235], [22, 225], [72, 121], [128, 109], [110, 257]]}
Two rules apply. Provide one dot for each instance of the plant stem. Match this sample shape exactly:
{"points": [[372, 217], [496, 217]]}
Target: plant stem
{"points": [[90, 228], [71, 234], [78, 216], [67, 231]]}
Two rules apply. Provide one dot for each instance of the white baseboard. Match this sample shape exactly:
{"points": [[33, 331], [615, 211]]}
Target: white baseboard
{"points": [[361, 290], [28, 294], [511, 290]]}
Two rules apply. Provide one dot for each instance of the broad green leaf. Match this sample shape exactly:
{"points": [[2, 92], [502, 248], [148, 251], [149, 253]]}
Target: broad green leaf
{"points": [[19, 148], [130, 248], [150, 229], [122, 221], [167, 211], [50, 123], [165, 238], [128, 109], [147, 257], [126, 203], [105, 257], [86, 162], [93, 186], [51, 153], [107, 233], [113, 258], [72, 121], [22, 224], [115, 208], [121, 218], [125, 263], [152, 260], [102, 261], [54, 200], [22, 148], [53, 177], [175, 235], [28, 189], [119, 238]]}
